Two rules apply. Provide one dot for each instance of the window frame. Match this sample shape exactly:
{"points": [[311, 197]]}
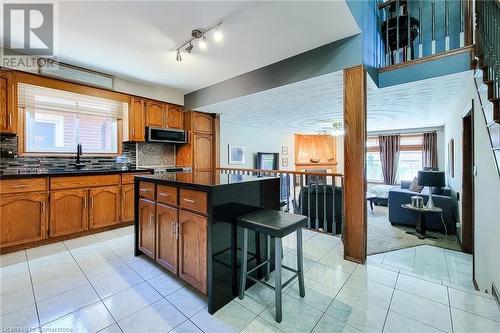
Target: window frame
{"points": [[409, 147]]}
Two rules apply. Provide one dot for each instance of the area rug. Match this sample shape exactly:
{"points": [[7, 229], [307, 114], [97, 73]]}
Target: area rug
{"points": [[384, 237]]}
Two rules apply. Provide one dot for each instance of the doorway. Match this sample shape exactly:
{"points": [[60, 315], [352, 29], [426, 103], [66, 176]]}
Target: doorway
{"points": [[467, 239]]}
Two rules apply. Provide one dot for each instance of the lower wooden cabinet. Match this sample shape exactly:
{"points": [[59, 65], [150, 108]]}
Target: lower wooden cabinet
{"points": [[24, 218], [166, 237], [104, 206], [193, 249], [127, 203], [68, 212], [147, 232]]}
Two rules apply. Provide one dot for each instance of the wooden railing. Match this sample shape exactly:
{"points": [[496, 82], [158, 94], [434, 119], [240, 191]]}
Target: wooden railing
{"points": [[414, 30], [317, 195]]}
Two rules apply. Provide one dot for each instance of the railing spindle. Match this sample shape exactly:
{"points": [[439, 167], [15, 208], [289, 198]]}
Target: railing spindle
{"points": [[446, 26], [397, 32], [325, 224], [433, 27], [334, 225], [308, 181], [420, 32], [317, 208]]}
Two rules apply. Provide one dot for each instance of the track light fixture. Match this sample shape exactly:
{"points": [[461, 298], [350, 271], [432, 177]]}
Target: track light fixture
{"points": [[201, 36]]}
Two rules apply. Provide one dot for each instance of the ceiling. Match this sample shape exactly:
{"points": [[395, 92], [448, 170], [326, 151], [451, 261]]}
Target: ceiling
{"points": [[310, 105], [137, 39]]}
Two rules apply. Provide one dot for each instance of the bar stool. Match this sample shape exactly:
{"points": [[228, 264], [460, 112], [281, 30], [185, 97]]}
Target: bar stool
{"points": [[276, 224]]}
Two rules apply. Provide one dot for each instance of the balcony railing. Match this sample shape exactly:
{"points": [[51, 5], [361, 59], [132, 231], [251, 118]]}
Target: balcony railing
{"points": [[415, 29], [317, 195]]}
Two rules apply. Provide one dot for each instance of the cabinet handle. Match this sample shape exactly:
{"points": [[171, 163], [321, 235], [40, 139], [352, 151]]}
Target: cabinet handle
{"points": [[151, 219], [189, 200], [20, 186], [85, 202], [91, 202], [43, 207], [177, 231], [163, 194], [10, 119], [144, 190]]}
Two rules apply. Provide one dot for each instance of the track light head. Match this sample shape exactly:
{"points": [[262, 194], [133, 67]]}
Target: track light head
{"points": [[202, 43], [218, 34], [178, 57], [189, 48]]}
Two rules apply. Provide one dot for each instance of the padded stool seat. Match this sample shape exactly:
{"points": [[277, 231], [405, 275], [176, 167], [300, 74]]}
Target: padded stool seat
{"points": [[272, 222]]}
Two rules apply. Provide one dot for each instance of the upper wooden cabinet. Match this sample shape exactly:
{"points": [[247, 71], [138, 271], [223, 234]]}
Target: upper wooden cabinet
{"points": [[104, 206], [136, 123], [156, 114], [8, 120], [68, 212], [24, 218], [202, 123], [174, 117]]}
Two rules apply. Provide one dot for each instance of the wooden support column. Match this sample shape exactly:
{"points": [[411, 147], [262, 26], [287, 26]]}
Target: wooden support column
{"points": [[355, 227]]}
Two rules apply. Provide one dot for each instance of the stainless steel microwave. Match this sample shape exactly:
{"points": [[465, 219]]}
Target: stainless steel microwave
{"points": [[166, 135]]}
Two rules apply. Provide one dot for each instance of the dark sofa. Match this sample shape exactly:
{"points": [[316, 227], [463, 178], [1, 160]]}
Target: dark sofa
{"points": [[445, 200]]}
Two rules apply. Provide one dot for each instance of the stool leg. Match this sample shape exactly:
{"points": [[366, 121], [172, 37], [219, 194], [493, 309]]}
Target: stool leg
{"points": [[268, 250], [244, 261], [300, 263], [277, 277]]}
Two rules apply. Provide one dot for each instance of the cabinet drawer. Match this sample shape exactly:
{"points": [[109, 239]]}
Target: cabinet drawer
{"points": [[166, 194], [128, 178], [57, 183], [193, 200], [147, 190], [23, 185]]}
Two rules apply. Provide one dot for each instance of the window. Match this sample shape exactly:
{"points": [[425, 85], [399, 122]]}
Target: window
{"points": [[56, 121], [410, 158]]}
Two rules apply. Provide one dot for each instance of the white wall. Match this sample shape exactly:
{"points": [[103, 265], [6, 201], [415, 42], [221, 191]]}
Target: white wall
{"points": [[255, 139], [486, 187]]}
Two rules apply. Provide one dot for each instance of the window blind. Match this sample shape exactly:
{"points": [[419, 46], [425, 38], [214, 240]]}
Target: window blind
{"points": [[35, 98]]}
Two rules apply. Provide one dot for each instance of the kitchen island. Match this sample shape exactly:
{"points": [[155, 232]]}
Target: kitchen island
{"points": [[189, 228]]}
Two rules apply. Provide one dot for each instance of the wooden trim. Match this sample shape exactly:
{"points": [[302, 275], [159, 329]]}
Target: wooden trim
{"points": [[279, 171], [433, 57], [355, 226], [216, 145]]}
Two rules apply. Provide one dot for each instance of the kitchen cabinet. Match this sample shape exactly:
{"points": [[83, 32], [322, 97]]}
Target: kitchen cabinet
{"points": [[147, 228], [193, 249], [156, 114], [166, 237], [201, 152], [174, 116], [8, 121], [68, 212], [136, 123], [104, 206], [24, 218], [127, 203]]}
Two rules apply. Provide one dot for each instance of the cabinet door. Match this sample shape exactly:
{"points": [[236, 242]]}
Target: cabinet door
{"points": [[104, 206], [202, 122], [68, 212], [193, 249], [202, 152], [136, 119], [174, 117], [24, 218], [4, 116], [147, 227], [156, 115], [127, 203], [202, 177], [166, 237]]}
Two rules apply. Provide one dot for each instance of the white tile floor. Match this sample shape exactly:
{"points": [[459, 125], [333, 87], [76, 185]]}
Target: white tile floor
{"points": [[95, 284]]}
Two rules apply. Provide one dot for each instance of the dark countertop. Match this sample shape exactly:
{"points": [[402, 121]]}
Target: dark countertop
{"points": [[170, 179], [18, 174]]}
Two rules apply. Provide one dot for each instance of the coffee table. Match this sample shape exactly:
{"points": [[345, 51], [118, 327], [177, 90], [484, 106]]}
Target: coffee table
{"points": [[420, 229]]}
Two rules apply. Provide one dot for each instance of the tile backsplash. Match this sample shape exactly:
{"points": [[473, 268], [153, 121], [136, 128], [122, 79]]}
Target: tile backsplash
{"points": [[152, 153], [142, 154]]}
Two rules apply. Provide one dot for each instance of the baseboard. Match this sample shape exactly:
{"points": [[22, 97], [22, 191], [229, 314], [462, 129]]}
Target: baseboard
{"points": [[496, 295]]}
